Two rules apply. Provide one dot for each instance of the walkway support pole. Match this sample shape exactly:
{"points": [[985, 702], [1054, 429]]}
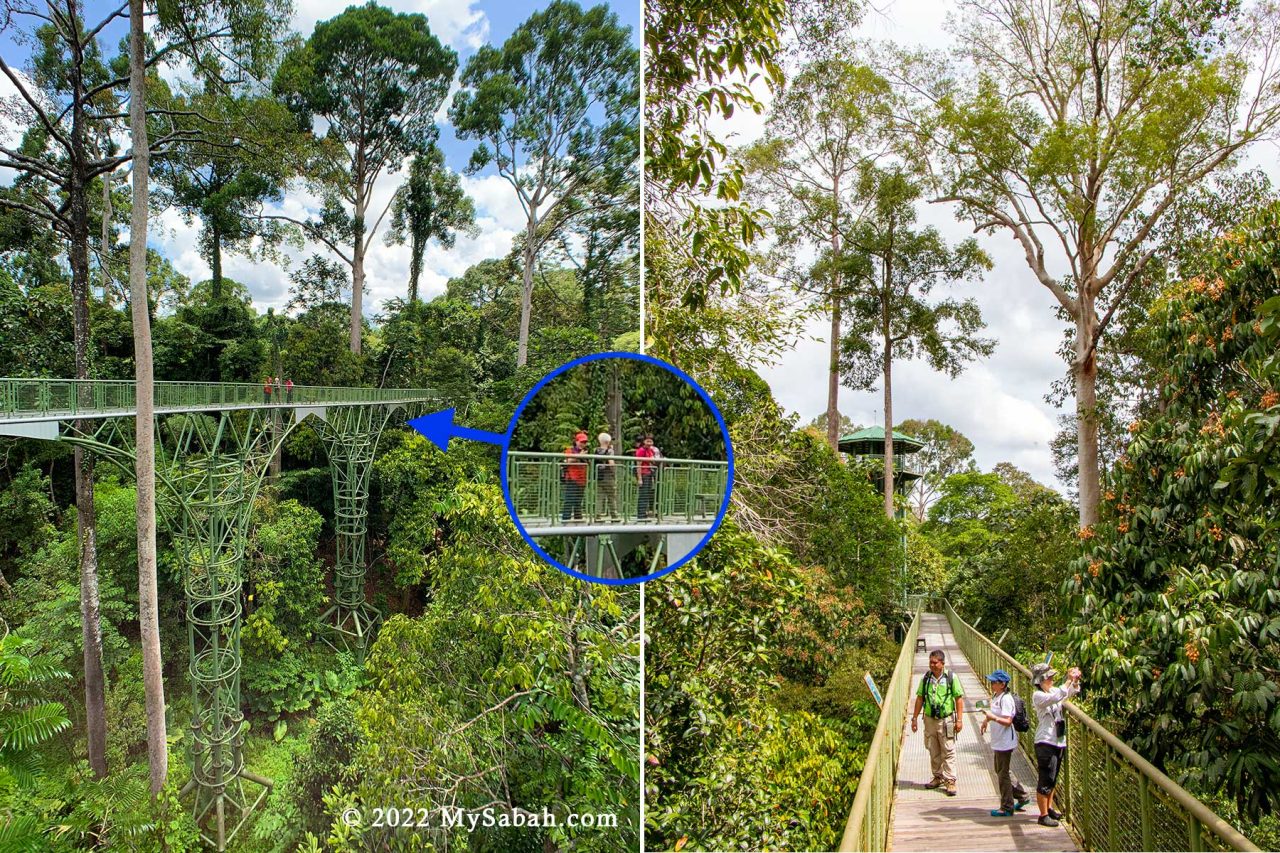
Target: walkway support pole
{"points": [[350, 435]]}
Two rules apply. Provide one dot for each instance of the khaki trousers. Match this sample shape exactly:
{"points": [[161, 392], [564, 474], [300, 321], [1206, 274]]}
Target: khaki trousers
{"points": [[942, 749]]}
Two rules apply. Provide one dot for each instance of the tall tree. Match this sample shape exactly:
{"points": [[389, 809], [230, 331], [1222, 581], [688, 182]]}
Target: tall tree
{"points": [[431, 204], [896, 270], [946, 451], [377, 79], [553, 108], [63, 101], [243, 151], [825, 129], [1083, 140]]}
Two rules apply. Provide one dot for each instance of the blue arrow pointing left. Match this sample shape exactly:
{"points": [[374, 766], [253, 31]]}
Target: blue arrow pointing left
{"points": [[439, 427]]}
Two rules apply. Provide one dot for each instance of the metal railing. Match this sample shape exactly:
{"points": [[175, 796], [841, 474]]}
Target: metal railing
{"points": [[550, 489], [25, 399], [1114, 798], [868, 824]]}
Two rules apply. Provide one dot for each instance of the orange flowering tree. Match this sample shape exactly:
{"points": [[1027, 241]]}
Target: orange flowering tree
{"points": [[1178, 588]]}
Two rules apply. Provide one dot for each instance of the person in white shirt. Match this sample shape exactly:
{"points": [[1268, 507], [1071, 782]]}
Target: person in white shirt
{"points": [[1013, 797], [1051, 733]]}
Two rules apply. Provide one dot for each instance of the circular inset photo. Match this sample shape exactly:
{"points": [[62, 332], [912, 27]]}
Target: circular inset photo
{"points": [[618, 468]]}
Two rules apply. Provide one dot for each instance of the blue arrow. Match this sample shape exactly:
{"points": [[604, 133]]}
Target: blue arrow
{"points": [[439, 427]]}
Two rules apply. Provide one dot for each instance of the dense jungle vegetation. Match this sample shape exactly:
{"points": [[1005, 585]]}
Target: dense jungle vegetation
{"points": [[494, 680], [1116, 158]]}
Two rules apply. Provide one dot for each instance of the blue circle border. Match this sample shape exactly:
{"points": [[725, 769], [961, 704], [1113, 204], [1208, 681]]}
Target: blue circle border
{"points": [[600, 356]]}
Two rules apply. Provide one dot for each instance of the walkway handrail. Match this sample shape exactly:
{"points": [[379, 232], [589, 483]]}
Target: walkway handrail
{"points": [[1116, 799], [35, 398], [551, 489], [868, 824]]}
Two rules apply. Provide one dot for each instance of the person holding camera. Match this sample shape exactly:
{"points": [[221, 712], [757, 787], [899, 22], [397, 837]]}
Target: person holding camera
{"points": [[1051, 733], [942, 699], [1003, 711]]}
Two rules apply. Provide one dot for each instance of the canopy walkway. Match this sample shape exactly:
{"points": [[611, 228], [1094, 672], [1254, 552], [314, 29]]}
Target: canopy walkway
{"points": [[604, 507], [213, 444], [1111, 797]]}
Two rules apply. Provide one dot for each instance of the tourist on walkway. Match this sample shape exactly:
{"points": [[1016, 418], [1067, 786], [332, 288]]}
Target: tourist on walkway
{"points": [[941, 698], [646, 472], [573, 478], [606, 481], [1051, 733], [1004, 739], [288, 390], [266, 391]]}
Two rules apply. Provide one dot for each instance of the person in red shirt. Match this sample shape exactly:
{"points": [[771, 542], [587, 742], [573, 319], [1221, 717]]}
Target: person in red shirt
{"points": [[646, 472], [573, 477], [288, 390], [266, 391]]}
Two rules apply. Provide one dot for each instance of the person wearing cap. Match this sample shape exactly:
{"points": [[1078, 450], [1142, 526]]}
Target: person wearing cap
{"points": [[573, 476], [1051, 733], [942, 700], [1013, 798], [606, 482]]}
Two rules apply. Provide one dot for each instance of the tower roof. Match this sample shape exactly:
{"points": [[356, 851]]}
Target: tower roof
{"points": [[870, 441]]}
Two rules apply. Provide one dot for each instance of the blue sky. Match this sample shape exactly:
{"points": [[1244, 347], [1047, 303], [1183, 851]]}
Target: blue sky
{"points": [[463, 25]]}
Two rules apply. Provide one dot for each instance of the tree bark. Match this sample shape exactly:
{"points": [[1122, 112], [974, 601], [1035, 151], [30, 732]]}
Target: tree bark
{"points": [[833, 368], [357, 271], [86, 523], [148, 604], [215, 265], [526, 290], [885, 296], [1086, 376], [103, 263]]}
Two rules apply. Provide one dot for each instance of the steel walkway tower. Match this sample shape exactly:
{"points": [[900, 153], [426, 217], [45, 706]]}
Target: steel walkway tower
{"points": [[214, 443]]}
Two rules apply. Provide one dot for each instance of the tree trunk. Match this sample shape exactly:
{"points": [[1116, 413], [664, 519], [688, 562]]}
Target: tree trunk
{"points": [[90, 611], [416, 251], [105, 253], [886, 329], [613, 404], [215, 264], [526, 291], [148, 606], [833, 368], [1086, 376], [357, 272]]}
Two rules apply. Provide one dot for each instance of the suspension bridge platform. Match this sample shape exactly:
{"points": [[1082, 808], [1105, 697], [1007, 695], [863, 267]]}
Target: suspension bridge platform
{"points": [[930, 820]]}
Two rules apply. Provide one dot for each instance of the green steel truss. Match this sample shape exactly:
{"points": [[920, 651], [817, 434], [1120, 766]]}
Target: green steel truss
{"points": [[350, 436], [214, 444], [209, 468]]}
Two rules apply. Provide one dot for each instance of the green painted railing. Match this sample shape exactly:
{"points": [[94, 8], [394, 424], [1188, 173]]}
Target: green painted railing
{"points": [[32, 398], [868, 824], [1114, 798], [552, 488]]}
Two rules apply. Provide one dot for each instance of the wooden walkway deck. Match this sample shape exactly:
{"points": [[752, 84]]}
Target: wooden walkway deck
{"points": [[930, 820]]}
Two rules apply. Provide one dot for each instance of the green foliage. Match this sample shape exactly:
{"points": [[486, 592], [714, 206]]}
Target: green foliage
{"points": [[285, 580], [500, 706], [292, 682], [26, 516], [1178, 621], [27, 720], [1007, 542], [431, 204], [727, 769], [332, 746]]}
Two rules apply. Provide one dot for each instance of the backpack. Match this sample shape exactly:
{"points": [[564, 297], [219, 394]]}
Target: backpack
{"points": [[1020, 721]]}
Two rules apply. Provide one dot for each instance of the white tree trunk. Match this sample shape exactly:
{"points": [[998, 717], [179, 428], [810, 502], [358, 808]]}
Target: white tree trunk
{"points": [[148, 609]]}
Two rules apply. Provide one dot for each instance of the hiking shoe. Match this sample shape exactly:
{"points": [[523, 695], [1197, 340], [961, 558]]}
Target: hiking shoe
{"points": [[1001, 813], [1047, 820], [1021, 804], [1055, 814], [950, 790], [936, 783]]}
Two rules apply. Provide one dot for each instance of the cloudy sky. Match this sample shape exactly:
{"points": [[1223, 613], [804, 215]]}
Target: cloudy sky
{"points": [[463, 25], [997, 402]]}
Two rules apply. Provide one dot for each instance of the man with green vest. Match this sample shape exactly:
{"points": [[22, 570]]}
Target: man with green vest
{"points": [[942, 699]]}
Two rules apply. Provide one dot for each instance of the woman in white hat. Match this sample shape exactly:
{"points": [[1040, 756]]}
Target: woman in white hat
{"points": [[606, 482], [1051, 733]]}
